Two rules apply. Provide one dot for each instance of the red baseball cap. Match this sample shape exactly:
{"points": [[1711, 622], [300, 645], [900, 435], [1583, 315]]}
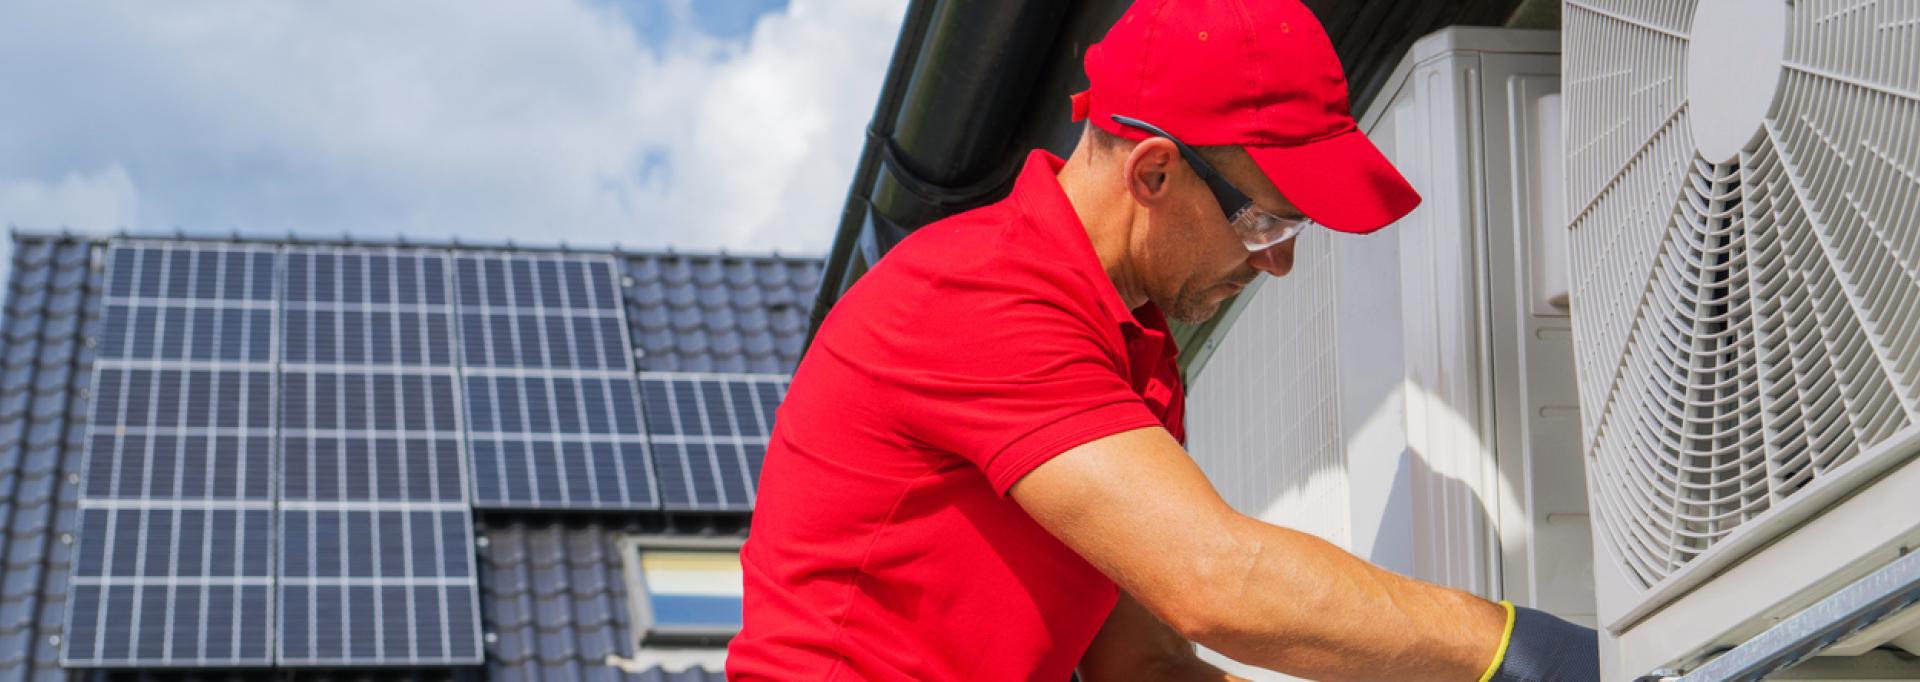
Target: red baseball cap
{"points": [[1259, 74]]}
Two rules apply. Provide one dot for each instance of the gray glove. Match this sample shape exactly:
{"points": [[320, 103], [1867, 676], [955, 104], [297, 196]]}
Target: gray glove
{"points": [[1544, 648]]}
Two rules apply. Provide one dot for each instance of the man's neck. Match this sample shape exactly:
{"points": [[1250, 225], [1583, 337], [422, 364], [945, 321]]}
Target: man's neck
{"points": [[1106, 211]]}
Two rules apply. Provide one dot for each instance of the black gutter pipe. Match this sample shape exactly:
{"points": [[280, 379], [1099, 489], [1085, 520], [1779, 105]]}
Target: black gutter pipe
{"points": [[905, 50], [955, 95]]}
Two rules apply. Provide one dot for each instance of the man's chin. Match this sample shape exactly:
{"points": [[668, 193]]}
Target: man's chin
{"points": [[1195, 313]]}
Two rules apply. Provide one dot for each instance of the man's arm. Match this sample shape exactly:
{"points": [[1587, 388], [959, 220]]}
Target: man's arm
{"points": [[1134, 645], [1135, 506]]}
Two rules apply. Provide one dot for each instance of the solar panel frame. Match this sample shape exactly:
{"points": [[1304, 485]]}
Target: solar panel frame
{"points": [[355, 551], [707, 451], [195, 609], [552, 406]]}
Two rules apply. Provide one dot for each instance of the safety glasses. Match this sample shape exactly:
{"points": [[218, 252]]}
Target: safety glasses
{"points": [[1257, 228]]}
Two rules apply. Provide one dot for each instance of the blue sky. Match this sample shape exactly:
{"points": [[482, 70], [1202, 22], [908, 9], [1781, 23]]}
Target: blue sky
{"points": [[694, 123]]}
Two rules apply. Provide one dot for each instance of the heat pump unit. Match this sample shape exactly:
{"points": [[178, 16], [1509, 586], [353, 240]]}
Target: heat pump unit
{"points": [[1743, 193], [1409, 394]]}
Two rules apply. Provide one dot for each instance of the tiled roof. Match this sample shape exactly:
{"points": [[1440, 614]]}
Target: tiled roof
{"points": [[52, 306], [555, 604], [556, 600], [719, 313]]}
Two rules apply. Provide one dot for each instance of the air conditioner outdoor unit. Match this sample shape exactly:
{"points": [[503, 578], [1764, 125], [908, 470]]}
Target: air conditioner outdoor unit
{"points": [[1409, 394], [1743, 192]]}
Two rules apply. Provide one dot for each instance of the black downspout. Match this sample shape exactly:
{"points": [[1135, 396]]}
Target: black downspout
{"points": [[906, 49], [959, 87]]}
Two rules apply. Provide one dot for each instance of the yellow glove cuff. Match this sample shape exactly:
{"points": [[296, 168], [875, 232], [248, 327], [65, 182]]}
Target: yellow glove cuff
{"points": [[1506, 637]]}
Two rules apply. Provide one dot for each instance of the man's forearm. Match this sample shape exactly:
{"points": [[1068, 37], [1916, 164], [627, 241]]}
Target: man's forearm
{"points": [[1298, 604]]}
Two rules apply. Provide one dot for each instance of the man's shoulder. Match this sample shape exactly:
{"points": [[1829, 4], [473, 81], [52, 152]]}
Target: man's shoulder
{"points": [[994, 243], [959, 277]]}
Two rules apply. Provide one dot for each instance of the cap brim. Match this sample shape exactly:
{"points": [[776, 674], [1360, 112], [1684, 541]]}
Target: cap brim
{"points": [[1342, 182]]}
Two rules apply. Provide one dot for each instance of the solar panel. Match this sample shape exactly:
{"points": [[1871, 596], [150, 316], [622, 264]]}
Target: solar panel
{"points": [[376, 551], [709, 434], [550, 396], [173, 562]]}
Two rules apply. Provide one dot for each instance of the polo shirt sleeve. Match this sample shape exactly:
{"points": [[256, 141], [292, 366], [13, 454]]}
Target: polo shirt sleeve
{"points": [[1010, 380]]}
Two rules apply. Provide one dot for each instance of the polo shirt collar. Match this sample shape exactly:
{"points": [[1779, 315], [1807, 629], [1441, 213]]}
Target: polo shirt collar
{"points": [[1038, 194]]}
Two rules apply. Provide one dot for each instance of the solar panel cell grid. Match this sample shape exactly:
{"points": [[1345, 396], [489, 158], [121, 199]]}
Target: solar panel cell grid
{"points": [[708, 434], [174, 556], [376, 555], [549, 391], [346, 540]]}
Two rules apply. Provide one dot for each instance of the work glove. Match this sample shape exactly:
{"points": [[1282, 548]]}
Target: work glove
{"points": [[1540, 647]]}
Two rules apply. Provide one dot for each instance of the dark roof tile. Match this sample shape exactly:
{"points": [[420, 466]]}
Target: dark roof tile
{"points": [[727, 344], [687, 317], [16, 647], [556, 645], [789, 347], [45, 409], [746, 296], [42, 456], [648, 294], [740, 274], [787, 321], [681, 294], [780, 298], [66, 302], [13, 399], [23, 581], [708, 272], [32, 251], [24, 329], [60, 326], [692, 342], [676, 271], [75, 255], [31, 275], [31, 505], [591, 617], [52, 380], [47, 433], [16, 614], [757, 342], [649, 317], [644, 267]]}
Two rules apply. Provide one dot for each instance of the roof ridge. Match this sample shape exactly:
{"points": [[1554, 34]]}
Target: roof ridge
{"points": [[19, 234]]}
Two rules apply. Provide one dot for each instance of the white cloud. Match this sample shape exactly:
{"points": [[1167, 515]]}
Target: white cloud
{"points": [[104, 198], [536, 121]]}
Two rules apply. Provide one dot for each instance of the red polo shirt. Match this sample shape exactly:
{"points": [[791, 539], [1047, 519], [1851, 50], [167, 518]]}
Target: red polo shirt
{"points": [[884, 546]]}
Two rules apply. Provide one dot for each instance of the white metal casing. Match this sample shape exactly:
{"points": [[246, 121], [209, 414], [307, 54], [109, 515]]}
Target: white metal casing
{"points": [[1744, 183]]}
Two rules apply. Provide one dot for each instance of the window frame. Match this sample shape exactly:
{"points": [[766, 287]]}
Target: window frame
{"points": [[646, 631]]}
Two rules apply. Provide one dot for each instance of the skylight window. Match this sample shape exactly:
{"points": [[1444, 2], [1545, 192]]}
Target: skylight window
{"points": [[683, 591]]}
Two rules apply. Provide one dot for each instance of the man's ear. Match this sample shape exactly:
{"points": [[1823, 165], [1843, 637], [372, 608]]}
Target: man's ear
{"points": [[1146, 170]]}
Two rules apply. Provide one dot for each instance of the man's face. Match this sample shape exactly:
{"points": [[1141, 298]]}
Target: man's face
{"points": [[1192, 259]]}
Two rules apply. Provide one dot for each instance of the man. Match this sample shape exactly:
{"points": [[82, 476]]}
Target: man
{"points": [[978, 473]]}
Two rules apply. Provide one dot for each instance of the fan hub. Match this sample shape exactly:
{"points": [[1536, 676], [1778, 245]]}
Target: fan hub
{"points": [[1733, 72]]}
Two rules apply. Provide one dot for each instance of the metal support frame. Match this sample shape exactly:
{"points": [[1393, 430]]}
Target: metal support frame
{"points": [[1882, 594]]}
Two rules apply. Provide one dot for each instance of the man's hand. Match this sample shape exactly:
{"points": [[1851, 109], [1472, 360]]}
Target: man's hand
{"points": [[1135, 646], [1137, 507], [1545, 648]]}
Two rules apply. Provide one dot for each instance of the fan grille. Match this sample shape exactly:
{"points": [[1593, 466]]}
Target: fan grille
{"points": [[1743, 327]]}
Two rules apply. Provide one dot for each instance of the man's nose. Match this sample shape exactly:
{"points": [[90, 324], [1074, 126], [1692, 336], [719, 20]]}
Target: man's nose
{"points": [[1276, 260]]}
